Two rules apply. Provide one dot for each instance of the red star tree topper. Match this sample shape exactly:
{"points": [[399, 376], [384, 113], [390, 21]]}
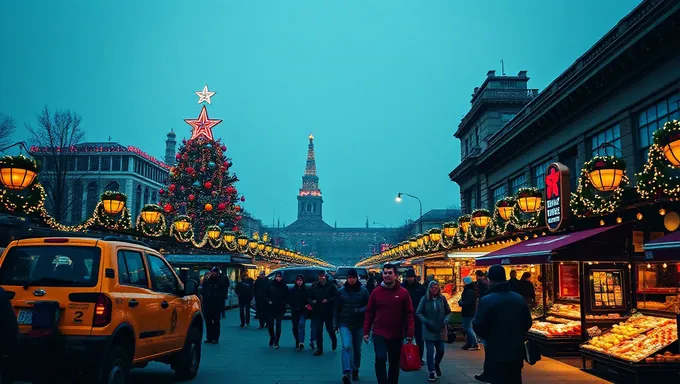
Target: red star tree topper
{"points": [[202, 125]]}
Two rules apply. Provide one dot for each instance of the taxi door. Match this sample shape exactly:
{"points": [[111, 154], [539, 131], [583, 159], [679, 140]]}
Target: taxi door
{"points": [[174, 313]]}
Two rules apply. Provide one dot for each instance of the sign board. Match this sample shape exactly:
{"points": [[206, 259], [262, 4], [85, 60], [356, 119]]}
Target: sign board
{"points": [[638, 241], [198, 259], [557, 195]]}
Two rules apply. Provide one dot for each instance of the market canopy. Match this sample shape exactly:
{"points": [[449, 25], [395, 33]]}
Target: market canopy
{"points": [[602, 243], [475, 252], [664, 248]]}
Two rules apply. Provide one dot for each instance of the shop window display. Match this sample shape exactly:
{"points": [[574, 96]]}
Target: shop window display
{"points": [[657, 286]]}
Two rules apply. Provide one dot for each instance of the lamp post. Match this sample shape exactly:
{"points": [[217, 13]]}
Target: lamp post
{"points": [[420, 219]]}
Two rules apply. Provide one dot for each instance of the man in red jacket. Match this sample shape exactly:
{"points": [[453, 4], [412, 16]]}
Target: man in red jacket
{"points": [[389, 313]]}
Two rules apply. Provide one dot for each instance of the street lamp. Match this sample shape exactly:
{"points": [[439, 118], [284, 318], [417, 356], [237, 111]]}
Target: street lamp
{"points": [[420, 219]]}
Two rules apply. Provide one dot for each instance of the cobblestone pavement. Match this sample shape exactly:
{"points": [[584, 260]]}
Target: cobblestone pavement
{"points": [[244, 357]]}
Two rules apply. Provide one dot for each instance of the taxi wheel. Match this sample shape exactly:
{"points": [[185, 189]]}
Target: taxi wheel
{"points": [[116, 367], [188, 359]]}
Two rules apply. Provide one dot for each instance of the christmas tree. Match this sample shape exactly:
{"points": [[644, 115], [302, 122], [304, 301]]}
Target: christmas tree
{"points": [[200, 187]]}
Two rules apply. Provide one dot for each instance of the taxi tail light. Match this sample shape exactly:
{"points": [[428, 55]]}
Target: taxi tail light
{"points": [[102, 311], [57, 240]]}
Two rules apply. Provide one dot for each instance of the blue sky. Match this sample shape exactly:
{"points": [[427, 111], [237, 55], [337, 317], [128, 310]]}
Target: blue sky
{"points": [[382, 84]]}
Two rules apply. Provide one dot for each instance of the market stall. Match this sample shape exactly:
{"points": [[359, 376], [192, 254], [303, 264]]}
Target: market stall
{"points": [[581, 283]]}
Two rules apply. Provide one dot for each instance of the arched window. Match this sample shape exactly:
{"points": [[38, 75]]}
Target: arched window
{"points": [[112, 186], [146, 195], [138, 200], [92, 198], [77, 202]]}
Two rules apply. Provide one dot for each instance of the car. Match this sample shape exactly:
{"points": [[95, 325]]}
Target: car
{"points": [[341, 274], [310, 274], [97, 307]]}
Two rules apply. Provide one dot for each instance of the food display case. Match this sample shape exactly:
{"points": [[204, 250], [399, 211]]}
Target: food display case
{"points": [[657, 287]]}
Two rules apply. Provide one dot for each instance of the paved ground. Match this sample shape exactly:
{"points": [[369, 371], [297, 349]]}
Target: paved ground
{"points": [[244, 357]]}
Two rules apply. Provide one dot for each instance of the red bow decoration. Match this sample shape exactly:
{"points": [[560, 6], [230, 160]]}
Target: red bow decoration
{"points": [[551, 180]]}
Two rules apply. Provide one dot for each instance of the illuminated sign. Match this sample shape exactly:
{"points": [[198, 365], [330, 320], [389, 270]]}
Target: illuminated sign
{"points": [[557, 194]]}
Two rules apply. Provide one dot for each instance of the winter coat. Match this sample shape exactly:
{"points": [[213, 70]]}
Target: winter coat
{"points": [[212, 292], [298, 299], [277, 295], [261, 287], [468, 300], [244, 290], [526, 289], [433, 313], [351, 305], [502, 320], [327, 291], [389, 312], [482, 287], [370, 284], [416, 291], [9, 330]]}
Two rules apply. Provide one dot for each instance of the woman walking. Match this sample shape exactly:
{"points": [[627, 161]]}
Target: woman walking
{"points": [[277, 296], [433, 311], [350, 312]]}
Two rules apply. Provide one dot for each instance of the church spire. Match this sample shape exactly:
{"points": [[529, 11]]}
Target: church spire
{"points": [[310, 168], [310, 181]]}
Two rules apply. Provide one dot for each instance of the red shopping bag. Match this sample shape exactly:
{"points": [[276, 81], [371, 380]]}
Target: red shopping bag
{"points": [[410, 358]]}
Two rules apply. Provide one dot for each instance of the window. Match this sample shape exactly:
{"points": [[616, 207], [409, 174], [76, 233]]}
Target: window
{"points": [[106, 163], [498, 193], [517, 183], [115, 166], [472, 199], [612, 136], [539, 174], [131, 270], [161, 275], [126, 161], [53, 266], [82, 163], [654, 117], [94, 163]]}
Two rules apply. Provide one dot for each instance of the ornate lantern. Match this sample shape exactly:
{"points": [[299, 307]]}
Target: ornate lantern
{"points": [[151, 213], [268, 249], [214, 232], [529, 199], [464, 223], [242, 241], [450, 229], [265, 237], [182, 223], [506, 208], [260, 245], [113, 202], [17, 172], [606, 173], [229, 237], [435, 235], [414, 243], [481, 218], [252, 244]]}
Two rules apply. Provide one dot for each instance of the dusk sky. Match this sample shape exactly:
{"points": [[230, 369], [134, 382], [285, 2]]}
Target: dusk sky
{"points": [[382, 84]]}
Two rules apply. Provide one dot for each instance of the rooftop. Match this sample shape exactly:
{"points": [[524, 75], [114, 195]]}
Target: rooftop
{"points": [[103, 147]]}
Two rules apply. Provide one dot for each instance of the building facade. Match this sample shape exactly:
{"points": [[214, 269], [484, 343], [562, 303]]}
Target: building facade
{"points": [[608, 102], [96, 167]]}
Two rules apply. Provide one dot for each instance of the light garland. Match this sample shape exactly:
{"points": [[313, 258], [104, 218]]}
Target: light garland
{"points": [[659, 179], [588, 202], [521, 220]]}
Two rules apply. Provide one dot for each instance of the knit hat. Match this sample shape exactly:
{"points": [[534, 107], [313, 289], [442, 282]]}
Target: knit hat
{"points": [[467, 280], [352, 273], [300, 277], [410, 273], [496, 273]]}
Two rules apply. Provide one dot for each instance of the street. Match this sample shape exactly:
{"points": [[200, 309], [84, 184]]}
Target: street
{"points": [[244, 357]]}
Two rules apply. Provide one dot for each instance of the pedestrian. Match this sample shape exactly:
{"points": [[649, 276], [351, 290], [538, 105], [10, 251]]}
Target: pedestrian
{"points": [[390, 314], [370, 282], [244, 290], [433, 312], [526, 289], [9, 332], [468, 305], [514, 283], [299, 309], [482, 283], [213, 302], [277, 297], [261, 287], [502, 320], [322, 299], [416, 291], [224, 280], [349, 321]]}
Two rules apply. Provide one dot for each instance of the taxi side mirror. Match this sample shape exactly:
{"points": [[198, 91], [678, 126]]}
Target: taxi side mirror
{"points": [[191, 287]]}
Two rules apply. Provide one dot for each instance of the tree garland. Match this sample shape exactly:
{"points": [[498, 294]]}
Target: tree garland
{"points": [[521, 220], [659, 178], [588, 201]]}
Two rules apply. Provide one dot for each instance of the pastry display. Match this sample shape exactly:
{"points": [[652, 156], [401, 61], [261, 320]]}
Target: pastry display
{"points": [[667, 357], [572, 328], [573, 311], [635, 339], [669, 305]]}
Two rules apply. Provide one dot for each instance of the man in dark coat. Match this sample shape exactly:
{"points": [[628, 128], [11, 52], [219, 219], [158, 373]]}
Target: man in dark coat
{"points": [[416, 291], [213, 304], [350, 311], [502, 320], [468, 305], [322, 300], [9, 331], [371, 282], [225, 283], [261, 287], [277, 298], [244, 290], [298, 299], [514, 282], [482, 283]]}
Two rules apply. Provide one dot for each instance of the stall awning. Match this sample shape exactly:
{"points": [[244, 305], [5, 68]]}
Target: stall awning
{"points": [[592, 244], [665, 248], [476, 252]]}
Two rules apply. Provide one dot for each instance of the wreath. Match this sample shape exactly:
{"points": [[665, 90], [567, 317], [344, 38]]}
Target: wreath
{"points": [[114, 195], [21, 161], [498, 223], [521, 220], [660, 179], [587, 201]]}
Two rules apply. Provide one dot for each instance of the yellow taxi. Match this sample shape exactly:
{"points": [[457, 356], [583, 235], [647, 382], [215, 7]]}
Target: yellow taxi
{"points": [[96, 307]]}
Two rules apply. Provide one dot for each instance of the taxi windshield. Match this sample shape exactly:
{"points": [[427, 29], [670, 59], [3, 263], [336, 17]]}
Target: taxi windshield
{"points": [[58, 266]]}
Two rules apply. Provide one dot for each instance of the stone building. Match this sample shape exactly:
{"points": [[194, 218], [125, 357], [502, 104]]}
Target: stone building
{"points": [[609, 101], [95, 167]]}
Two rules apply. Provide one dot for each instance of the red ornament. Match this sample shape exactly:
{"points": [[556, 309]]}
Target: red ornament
{"points": [[238, 218], [190, 170], [208, 184], [167, 208], [203, 169], [230, 189], [202, 125], [226, 164], [191, 197], [243, 198], [221, 206], [178, 156], [224, 148], [172, 187], [237, 208], [181, 188], [162, 191], [234, 228]]}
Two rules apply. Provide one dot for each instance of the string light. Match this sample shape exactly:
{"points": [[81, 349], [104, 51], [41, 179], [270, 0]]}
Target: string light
{"points": [[658, 178]]}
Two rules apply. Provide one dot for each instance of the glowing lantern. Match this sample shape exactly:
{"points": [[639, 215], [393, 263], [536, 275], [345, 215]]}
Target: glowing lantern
{"points": [[17, 172], [606, 176], [414, 243], [252, 244], [529, 201], [113, 207], [182, 224], [151, 214], [242, 241], [214, 232], [268, 248], [481, 218], [672, 152], [435, 236], [450, 230], [260, 245], [229, 237], [265, 237]]}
